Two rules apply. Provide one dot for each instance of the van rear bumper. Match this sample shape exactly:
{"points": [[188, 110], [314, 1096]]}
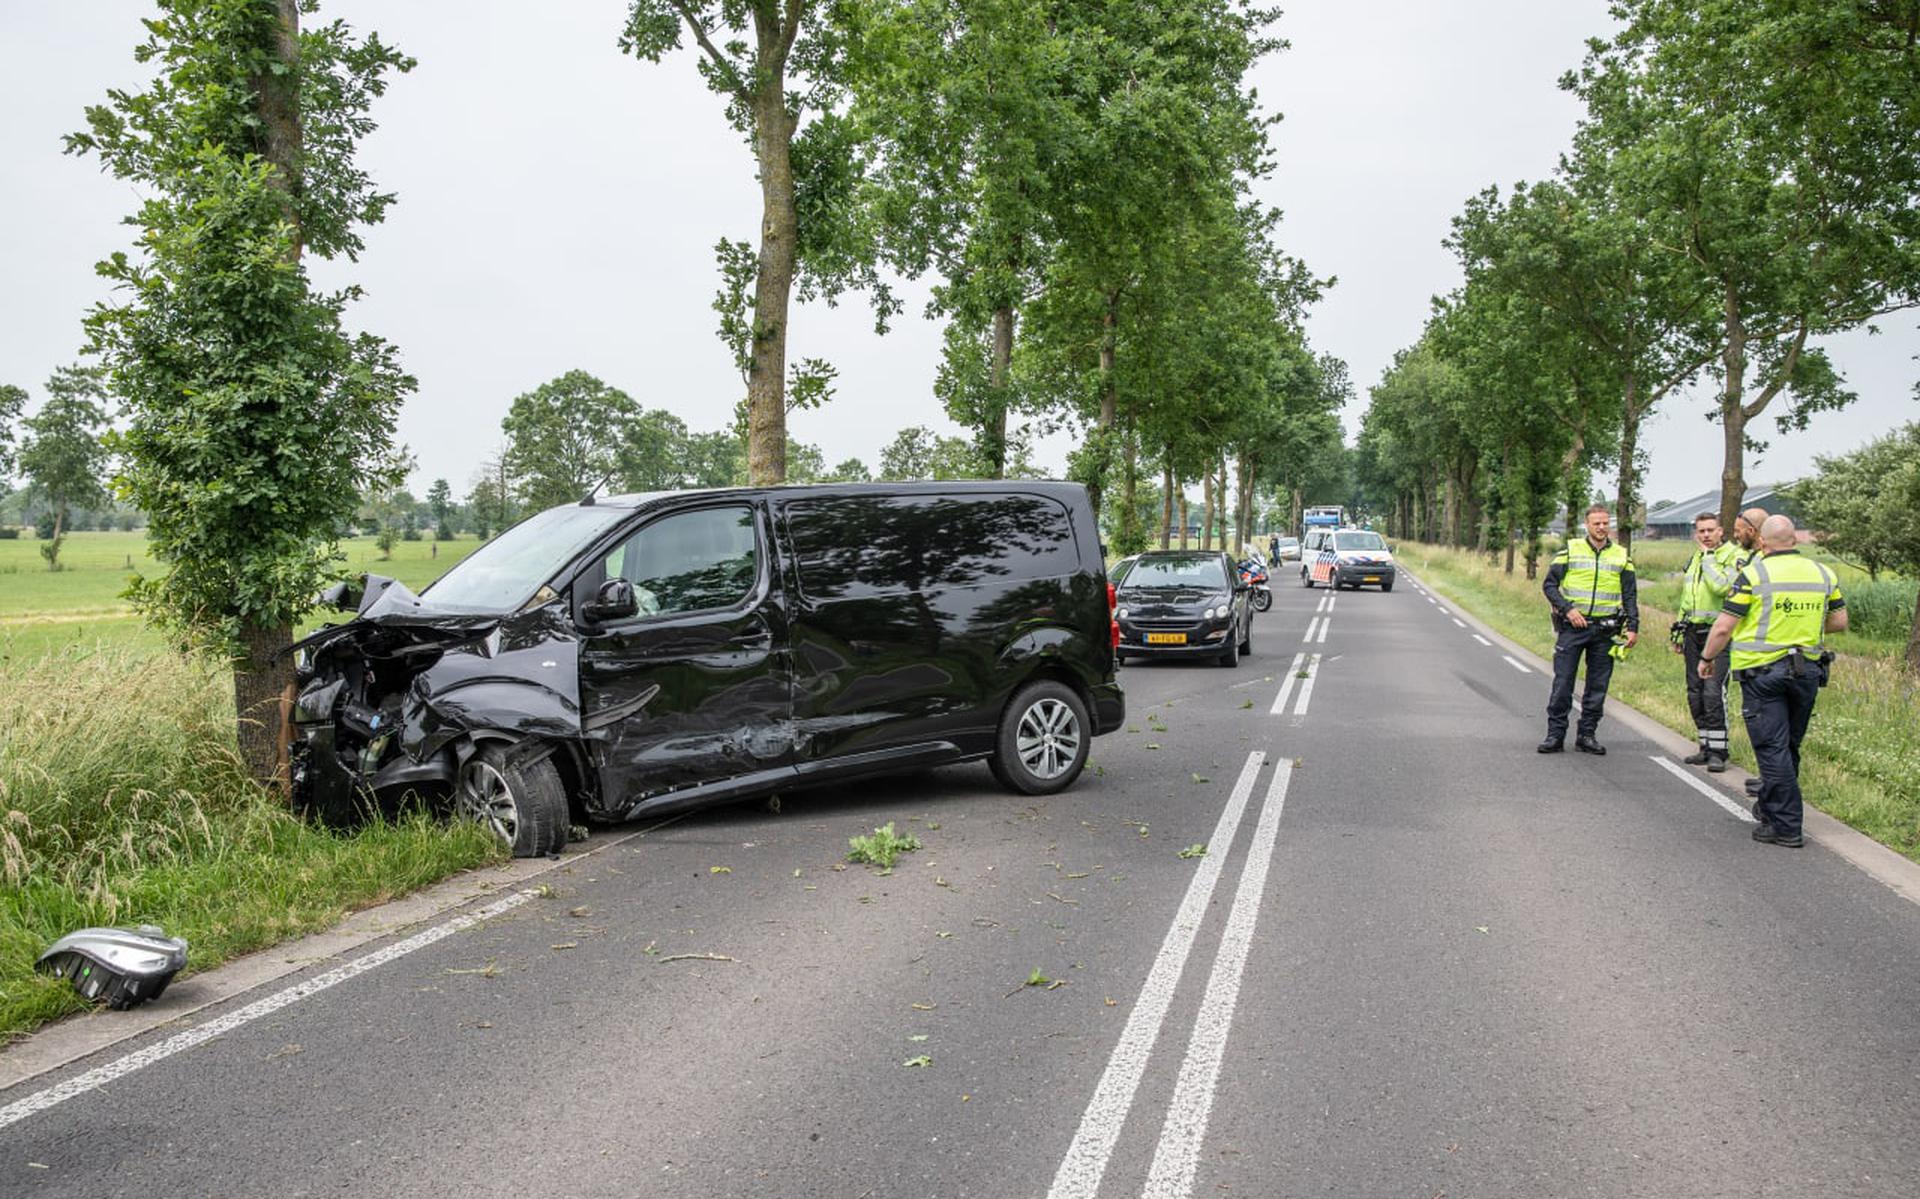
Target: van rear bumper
{"points": [[1109, 708]]}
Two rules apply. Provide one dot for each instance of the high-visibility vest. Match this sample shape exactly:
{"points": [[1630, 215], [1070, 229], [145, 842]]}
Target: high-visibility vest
{"points": [[1788, 596], [1709, 576], [1592, 581]]}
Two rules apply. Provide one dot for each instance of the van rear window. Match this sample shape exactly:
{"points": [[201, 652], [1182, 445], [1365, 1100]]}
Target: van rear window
{"points": [[857, 546]]}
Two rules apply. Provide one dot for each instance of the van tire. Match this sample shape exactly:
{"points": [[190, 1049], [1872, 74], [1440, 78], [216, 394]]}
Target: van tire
{"points": [[1041, 708], [523, 801]]}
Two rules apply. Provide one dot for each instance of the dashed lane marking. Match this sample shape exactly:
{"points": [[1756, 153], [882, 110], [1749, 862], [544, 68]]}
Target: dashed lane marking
{"points": [[1286, 688], [1086, 1160], [1481, 640], [1325, 624], [1306, 686], [1713, 793], [1458, 621], [1517, 664], [1177, 1159], [1310, 627], [100, 1076]]}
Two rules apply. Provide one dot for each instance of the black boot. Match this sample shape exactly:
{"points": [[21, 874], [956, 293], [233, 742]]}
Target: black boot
{"points": [[1766, 834], [1699, 757], [1716, 763], [1753, 786], [1587, 745], [1552, 745]]}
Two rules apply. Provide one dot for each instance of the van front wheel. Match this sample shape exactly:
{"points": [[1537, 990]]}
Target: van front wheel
{"points": [[1043, 739]]}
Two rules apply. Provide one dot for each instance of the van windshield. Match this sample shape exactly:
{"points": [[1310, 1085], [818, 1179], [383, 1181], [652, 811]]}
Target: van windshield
{"points": [[503, 574], [1358, 541], [1189, 570]]}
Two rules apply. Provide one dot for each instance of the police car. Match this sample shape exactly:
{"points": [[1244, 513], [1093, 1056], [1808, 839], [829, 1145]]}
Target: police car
{"points": [[1347, 558]]}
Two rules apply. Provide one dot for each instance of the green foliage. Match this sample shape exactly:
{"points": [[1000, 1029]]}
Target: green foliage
{"points": [[1865, 507], [255, 421], [564, 438], [882, 847], [12, 400], [62, 455], [917, 452]]}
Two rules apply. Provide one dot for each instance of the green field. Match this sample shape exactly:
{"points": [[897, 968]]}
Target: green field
{"points": [[1862, 761], [80, 606], [122, 799]]}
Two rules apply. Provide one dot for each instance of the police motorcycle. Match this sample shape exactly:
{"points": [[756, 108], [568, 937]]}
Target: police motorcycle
{"points": [[1253, 573]]}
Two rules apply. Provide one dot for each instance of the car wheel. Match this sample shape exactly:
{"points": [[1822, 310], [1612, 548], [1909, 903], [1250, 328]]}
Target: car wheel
{"points": [[1387, 586], [1306, 580], [1246, 638], [1230, 656], [1043, 740], [523, 803]]}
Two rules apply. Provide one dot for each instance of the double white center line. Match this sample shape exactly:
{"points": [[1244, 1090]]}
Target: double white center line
{"points": [[1302, 666], [1177, 1156]]}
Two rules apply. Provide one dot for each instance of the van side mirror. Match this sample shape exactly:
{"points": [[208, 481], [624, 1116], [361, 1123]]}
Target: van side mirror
{"points": [[615, 600]]}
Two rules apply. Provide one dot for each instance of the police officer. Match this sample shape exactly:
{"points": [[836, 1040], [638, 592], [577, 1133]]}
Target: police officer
{"points": [[1746, 535], [1772, 627], [1591, 587], [1710, 573]]}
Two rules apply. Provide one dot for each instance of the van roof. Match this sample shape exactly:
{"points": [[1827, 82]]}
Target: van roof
{"points": [[1053, 487]]}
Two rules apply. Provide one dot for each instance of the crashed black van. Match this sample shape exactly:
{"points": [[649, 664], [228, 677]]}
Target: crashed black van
{"points": [[648, 653]]}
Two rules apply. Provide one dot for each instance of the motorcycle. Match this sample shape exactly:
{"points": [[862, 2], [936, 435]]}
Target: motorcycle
{"points": [[1253, 573]]}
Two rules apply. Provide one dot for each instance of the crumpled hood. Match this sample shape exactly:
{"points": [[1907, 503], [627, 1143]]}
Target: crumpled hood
{"points": [[387, 603]]}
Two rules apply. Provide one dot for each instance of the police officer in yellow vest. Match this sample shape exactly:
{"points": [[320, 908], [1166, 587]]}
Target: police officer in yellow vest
{"points": [[1773, 627], [1710, 573], [1591, 587]]}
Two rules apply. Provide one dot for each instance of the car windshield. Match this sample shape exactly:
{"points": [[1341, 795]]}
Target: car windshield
{"points": [[1358, 541], [1288, 541], [1178, 570], [503, 574]]}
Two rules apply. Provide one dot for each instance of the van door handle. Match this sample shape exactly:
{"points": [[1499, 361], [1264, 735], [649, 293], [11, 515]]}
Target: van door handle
{"points": [[751, 639]]}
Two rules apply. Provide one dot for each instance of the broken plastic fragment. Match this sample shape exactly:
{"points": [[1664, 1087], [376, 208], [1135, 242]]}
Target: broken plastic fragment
{"points": [[124, 966]]}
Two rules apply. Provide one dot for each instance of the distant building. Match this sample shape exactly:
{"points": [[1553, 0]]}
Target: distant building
{"points": [[1675, 519]]}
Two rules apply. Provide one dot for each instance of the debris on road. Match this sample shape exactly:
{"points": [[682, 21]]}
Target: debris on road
{"points": [[1194, 851]]}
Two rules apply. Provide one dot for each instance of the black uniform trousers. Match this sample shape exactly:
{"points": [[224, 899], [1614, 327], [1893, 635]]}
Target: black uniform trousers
{"points": [[1591, 643], [1777, 704], [1706, 698]]}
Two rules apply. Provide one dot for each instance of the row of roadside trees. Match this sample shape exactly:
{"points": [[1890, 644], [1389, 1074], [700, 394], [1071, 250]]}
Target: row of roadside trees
{"points": [[1742, 184], [1077, 180]]}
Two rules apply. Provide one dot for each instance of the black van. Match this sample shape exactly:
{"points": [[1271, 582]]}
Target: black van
{"points": [[647, 653]]}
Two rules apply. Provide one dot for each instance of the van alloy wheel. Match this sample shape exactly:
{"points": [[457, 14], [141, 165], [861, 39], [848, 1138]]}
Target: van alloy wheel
{"points": [[1043, 739], [484, 796], [1049, 738], [516, 794]]}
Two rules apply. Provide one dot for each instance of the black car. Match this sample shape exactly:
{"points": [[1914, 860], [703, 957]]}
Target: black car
{"points": [[649, 653], [1184, 603]]}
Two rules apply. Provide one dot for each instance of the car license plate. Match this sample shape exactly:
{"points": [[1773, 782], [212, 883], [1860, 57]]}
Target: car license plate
{"points": [[1166, 638], [1370, 579]]}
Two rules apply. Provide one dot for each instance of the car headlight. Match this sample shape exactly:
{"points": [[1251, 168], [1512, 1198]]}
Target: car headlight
{"points": [[1119, 613]]}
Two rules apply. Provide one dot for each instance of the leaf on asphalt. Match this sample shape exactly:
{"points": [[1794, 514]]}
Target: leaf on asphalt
{"points": [[1194, 851], [1112, 1002], [1037, 979], [920, 1061], [1247, 704], [796, 872], [1153, 745], [719, 870], [1056, 984], [565, 945], [1201, 778], [1081, 874], [1481, 928], [583, 910], [696, 957], [924, 1007], [543, 891], [919, 1036], [489, 970]]}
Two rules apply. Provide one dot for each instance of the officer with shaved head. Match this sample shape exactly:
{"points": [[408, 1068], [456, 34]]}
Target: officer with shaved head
{"points": [[1773, 626]]}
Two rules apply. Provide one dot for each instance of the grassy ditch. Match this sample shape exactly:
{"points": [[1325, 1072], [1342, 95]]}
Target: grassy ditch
{"points": [[1862, 755], [122, 801]]}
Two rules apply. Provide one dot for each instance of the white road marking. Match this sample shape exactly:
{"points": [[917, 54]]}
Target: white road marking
{"points": [[1331, 601], [1480, 639], [1517, 664], [1458, 621], [1086, 1160], [1286, 688], [1325, 600], [1443, 610], [1713, 793], [1306, 686], [98, 1077], [1310, 628], [1325, 624], [1431, 600], [1259, 682], [1185, 1130]]}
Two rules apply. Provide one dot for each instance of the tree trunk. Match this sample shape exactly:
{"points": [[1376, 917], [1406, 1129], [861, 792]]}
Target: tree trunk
{"points": [[1109, 399], [1183, 517], [1166, 502], [1626, 502], [773, 286], [1510, 544], [1129, 525], [1450, 506], [262, 672], [1296, 512], [1733, 417], [1206, 511], [1913, 642], [277, 103], [995, 424]]}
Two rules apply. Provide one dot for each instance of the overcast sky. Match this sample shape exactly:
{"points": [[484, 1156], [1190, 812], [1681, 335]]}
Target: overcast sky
{"points": [[559, 204]]}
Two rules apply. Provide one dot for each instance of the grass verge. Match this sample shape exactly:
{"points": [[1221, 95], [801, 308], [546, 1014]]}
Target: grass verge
{"points": [[122, 801], [1862, 754]]}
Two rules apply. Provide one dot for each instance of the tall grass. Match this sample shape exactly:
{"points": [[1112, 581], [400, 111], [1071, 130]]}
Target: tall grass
{"points": [[1862, 754], [122, 800]]}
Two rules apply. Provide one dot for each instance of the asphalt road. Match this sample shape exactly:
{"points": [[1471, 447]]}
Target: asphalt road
{"points": [[1416, 959]]}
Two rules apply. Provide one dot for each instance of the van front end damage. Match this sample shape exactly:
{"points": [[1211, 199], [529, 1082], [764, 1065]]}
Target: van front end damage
{"points": [[398, 700]]}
